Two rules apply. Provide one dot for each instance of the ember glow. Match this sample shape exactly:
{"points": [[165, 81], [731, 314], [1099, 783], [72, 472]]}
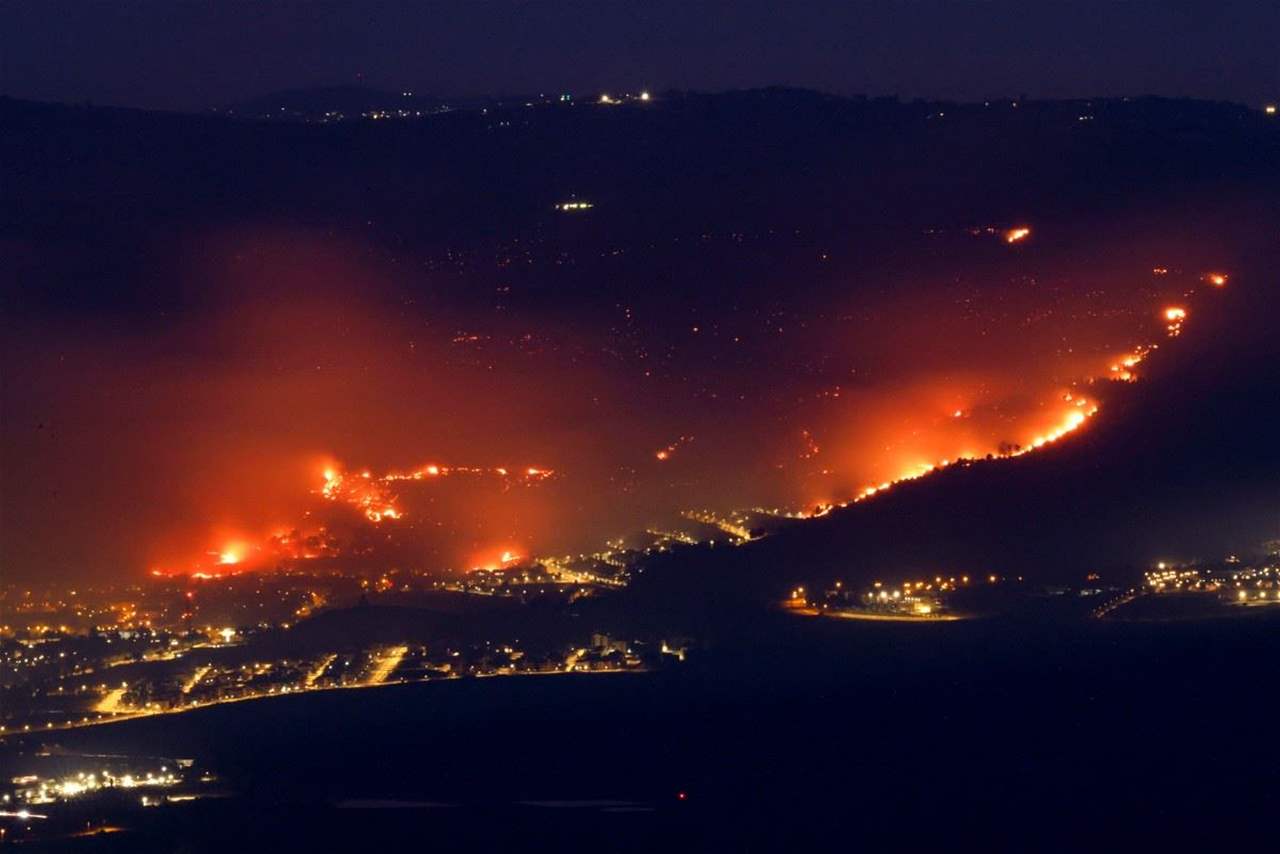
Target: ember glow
{"points": [[1074, 417], [373, 497], [665, 453], [497, 559]]}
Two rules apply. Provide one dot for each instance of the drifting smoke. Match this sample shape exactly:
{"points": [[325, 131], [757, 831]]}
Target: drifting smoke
{"points": [[284, 409]]}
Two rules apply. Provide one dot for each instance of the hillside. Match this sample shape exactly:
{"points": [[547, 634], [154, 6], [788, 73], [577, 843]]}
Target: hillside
{"points": [[1160, 474]]}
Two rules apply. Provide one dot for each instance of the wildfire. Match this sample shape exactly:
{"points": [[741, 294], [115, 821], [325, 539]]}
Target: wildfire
{"points": [[956, 422], [1014, 235], [1122, 370], [433, 470], [505, 559], [1075, 417], [1071, 422], [372, 494], [1080, 411], [664, 454]]}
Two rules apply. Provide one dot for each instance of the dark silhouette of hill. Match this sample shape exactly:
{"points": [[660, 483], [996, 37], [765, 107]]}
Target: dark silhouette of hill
{"points": [[724, 161], [317, 102]]}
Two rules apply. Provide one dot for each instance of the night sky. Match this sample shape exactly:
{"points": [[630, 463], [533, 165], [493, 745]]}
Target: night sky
{"points": [[191, 56]]}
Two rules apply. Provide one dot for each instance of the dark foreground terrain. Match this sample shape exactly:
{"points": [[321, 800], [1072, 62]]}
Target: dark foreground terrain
{"points": [[998, 734]]}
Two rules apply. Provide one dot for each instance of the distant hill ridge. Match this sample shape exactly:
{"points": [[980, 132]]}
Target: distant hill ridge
{"points": [[349, 100]]}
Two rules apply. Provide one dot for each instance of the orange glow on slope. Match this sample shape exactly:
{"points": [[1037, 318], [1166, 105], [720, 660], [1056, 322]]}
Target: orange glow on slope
{"points": [[497, 559], [369, 496], [232, 552], [958, 405], [1014, 235], [1072, 419], [1122, 370], [1075, 416], [528, 473], [372, 495]]}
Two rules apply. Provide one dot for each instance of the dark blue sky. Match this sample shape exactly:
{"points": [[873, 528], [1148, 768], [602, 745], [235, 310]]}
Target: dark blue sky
{"points": [[190, 55]]}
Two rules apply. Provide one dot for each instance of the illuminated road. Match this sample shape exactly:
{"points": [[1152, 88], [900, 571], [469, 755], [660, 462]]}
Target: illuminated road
{"points": [[1119, 602], [110, 704], [879, 618], [319, 671], [195, 678], [733, 529], [387, 663]]}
